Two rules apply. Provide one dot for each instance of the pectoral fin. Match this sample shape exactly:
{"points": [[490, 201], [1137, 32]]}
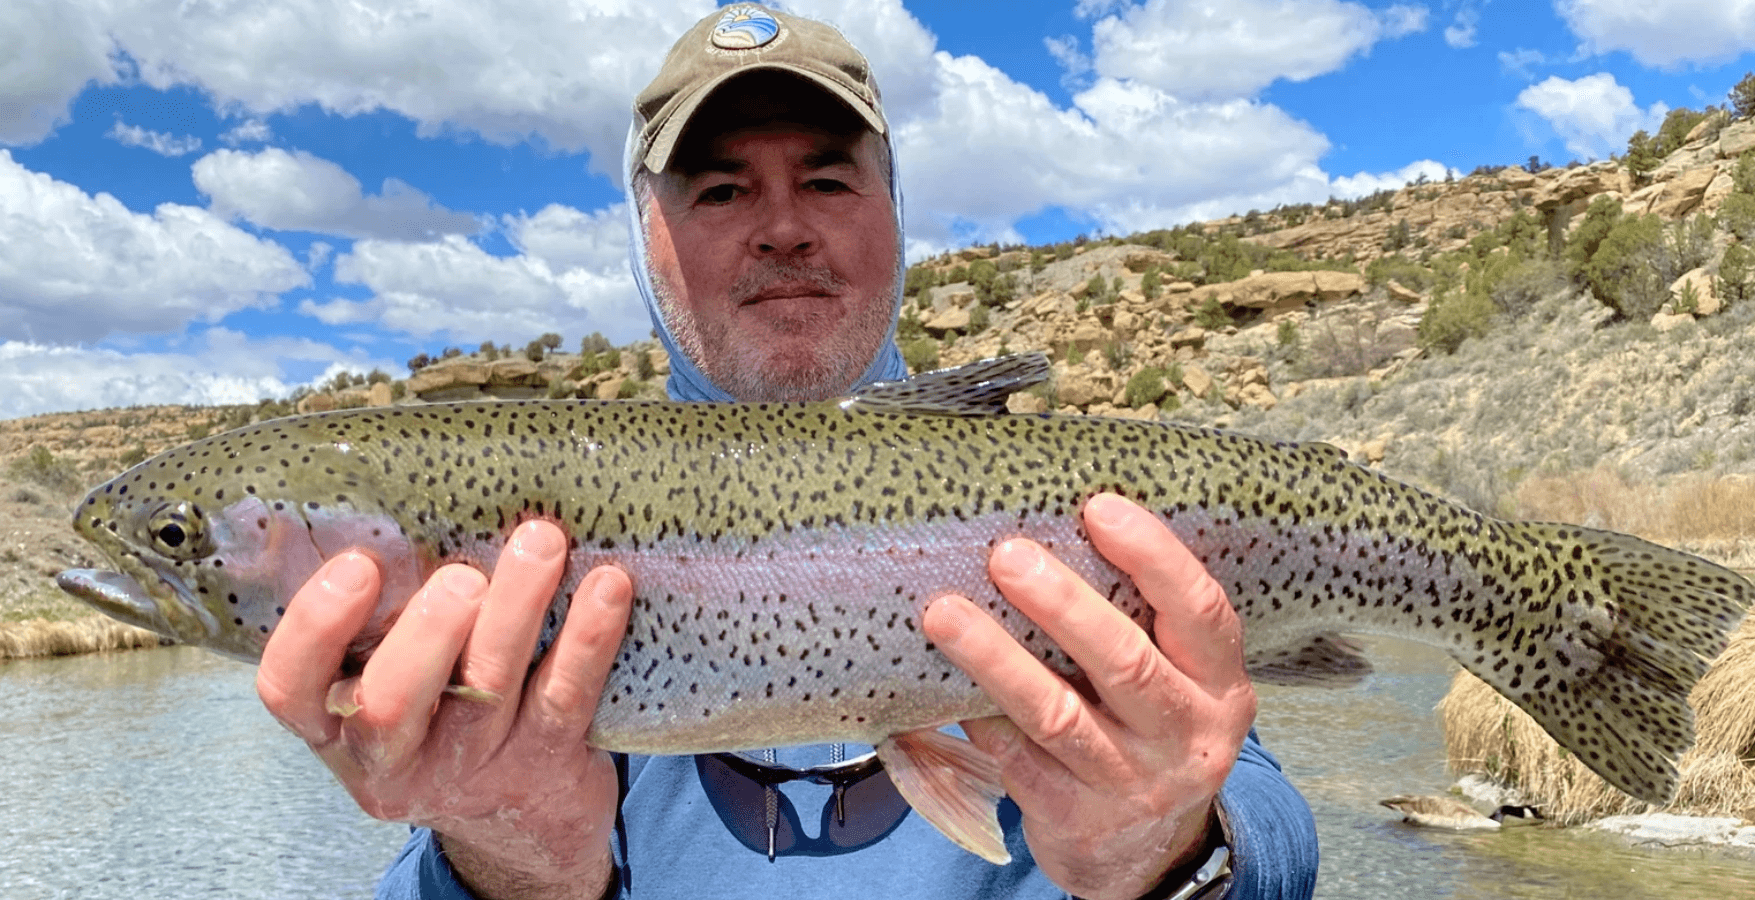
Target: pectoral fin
{"points": [[951, 784]]}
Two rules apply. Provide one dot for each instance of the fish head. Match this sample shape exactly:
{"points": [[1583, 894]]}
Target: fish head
{"points": [[210, 541]]}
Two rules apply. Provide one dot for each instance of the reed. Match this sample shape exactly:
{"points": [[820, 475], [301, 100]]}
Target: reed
{"points": [[1485, 734], [50, 637]]}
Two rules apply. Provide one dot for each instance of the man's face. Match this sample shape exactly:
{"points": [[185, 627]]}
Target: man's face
{"points": [[773, 251]]}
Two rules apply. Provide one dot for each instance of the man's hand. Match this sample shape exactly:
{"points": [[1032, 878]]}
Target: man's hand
{"points": [[523, 806], [1116, 783]]}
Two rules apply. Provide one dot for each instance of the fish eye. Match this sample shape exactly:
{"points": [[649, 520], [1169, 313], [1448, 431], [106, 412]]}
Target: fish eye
{"points": [[178, 530]]}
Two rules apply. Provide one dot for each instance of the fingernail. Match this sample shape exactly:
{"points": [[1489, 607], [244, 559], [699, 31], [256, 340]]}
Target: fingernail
{"points": [[1108, 510], [464, 581], [950, 621], [537, 542], [1018, 559], [348, 574]]}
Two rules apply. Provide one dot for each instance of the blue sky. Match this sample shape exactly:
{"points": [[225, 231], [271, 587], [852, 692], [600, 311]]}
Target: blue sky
{"points": [[219, 202]]}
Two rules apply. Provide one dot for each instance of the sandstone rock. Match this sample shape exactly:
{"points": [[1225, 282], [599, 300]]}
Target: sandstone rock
{"points": [[1196, 380], [954, 319], [1140, 260], [1025, 402], [1398, 292], [1515, 178], [518, 372], [1278, 292], [380, 394], [660, 361], [1706, 301], [446, 376], [959, 299], [1682, 194], [1088, 335], [1082, 386], [1640, 201], [1736, 139], [1581, 184], [1193, 336], [1666, 322], [1375, 449], [1126, 323], [1716, 192], [1256, 395], [610, 387], [315, 403], [1709, 125]]}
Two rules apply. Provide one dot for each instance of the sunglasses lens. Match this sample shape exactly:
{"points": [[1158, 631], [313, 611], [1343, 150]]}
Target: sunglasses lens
{"points": [[743, 803], [873, 808]]}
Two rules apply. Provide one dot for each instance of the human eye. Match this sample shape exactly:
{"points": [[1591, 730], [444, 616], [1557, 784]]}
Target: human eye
{"points": [[827, 185], [717, 195]]}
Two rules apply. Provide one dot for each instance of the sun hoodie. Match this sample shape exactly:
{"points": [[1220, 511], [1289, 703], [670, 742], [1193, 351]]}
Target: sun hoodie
{"points": [[673, 839]]}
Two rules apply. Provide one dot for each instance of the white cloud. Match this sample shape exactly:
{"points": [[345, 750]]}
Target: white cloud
{"points": [[1521, 62], [1460, 33], [1208, 49], [1354, 186], [249, 131], [300, 192], [1594, 115], [1666, 34], [157, 141], [76, 267], [49, 51], [454, 287], [566, 238], [223, 366]]}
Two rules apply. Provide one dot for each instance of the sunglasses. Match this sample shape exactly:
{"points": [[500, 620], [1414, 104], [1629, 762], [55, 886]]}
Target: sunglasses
{"points": [[864, 809]]}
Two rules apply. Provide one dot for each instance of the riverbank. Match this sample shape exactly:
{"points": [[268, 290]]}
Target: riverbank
{"points": [[64, 637]]}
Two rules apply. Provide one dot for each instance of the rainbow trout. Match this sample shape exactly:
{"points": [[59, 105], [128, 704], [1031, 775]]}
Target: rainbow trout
{"points": [[782, 555]]}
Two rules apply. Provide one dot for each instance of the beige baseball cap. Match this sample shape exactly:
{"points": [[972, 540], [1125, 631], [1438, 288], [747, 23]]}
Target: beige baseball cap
{"points": [[739, 39]]}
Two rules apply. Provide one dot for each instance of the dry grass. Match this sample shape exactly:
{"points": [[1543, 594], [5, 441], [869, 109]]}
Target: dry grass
{"points": [[1687, 508], [92, 634], [1487, 735]]}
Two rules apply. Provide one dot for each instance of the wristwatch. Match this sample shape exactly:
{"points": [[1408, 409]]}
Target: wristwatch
{"points": [[1210, 881]]}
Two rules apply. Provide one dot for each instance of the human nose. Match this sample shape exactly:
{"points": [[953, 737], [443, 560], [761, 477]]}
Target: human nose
{"points": [[782, 227]]}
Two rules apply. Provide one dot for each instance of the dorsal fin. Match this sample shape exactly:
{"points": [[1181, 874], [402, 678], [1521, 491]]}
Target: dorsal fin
{"points": [[977, 389]]}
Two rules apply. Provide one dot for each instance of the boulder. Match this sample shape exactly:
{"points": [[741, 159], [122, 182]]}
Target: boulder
{"points": [[1088, 335], [1196, 380], [1082, 387], [446, 376], [1736, 139], [513, 372], [1515, 178], [1026, 402], [1682, 193], [1140, 260], [1193, 337], [315, 403], [1716, 192], [380, 394], [1398, 292], [610, 387], [1706, 300], [1581, 183], [660, 361], [955, 319], [1278, 292]]}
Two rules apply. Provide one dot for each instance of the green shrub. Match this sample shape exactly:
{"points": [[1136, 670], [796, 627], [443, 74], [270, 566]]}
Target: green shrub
{"points": [[1625, 272], [920, 353], [1146, 386], [1736, 274], [1287, 333], [1453, 318], [908, 328], [1742, 96], [1737, 215], [643, 368], [1152, 283], [979, 318], [1212, 314], [1403, 271], [593, 344], [1524, 284], [629, 390], [197, 430], [134, 457], [43, 468]]}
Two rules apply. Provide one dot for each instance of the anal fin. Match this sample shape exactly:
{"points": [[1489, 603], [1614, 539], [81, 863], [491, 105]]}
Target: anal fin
{"points": [[953, 785], [1325, 660]]}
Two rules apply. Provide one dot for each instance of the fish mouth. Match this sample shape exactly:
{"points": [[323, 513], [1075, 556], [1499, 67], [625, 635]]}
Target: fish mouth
{"points": [[122, 597], [115, 595]]}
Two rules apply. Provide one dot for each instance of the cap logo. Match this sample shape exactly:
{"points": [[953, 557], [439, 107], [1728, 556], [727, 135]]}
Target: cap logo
{"points": [[745, 28]]}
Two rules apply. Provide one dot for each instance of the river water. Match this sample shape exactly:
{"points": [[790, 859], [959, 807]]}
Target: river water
{"points": [[156, 774]]}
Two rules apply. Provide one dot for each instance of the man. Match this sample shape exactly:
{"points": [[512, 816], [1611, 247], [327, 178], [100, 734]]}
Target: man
{"points": [[767, 245]]}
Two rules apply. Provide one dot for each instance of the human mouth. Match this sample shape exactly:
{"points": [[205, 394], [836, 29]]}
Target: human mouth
{"points": [[786, 290]]}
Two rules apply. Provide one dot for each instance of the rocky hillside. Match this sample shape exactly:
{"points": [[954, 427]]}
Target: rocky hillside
{"points": [[1468, 334]]}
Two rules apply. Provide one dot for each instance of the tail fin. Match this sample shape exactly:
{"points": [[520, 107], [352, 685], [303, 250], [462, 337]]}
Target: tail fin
{"points": [[1613, 633]]}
